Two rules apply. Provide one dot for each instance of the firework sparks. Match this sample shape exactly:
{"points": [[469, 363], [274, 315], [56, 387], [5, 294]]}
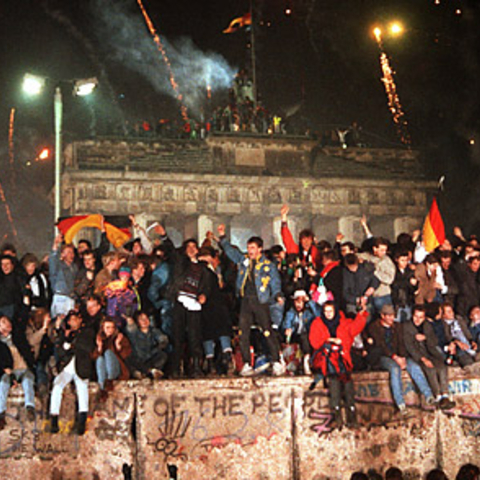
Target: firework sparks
{"points": [[161, 49], [7, 210], [394, 104], [11, 151]]}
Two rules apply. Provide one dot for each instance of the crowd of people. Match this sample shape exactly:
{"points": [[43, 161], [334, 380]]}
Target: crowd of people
{"points": [[151, 310], [467, 471]]}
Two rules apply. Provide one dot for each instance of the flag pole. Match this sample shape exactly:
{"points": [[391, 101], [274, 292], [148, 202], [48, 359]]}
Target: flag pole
{"points": [[252, 46]]}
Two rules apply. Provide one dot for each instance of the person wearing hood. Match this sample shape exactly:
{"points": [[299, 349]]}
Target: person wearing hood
{"points": [[331, 336]]}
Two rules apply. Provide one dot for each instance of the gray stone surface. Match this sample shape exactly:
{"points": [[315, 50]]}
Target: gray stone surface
{"points": [[243, 429], [244, 181]]}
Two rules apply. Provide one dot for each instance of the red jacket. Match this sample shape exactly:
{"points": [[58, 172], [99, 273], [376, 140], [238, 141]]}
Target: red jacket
{"points": [[347, 330], [292, 247]]}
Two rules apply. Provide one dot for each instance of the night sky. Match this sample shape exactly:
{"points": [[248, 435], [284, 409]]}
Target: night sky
{"points": [[322, 59]]}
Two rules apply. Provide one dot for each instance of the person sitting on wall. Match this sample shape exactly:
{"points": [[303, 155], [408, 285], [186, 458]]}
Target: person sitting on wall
{"points": [[421, 344], [474, 316], [331, 338], [113, 349], [148, 344], [74, 345], [386, 335], [460, 343], [16, 365]]}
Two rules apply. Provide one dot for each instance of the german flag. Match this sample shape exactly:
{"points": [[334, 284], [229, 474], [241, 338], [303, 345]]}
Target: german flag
{"points": [[238, 23], [433, 228], [117, 228]]}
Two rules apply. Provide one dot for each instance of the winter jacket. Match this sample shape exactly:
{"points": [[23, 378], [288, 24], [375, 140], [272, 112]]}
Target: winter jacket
{"points": [[268, 284], [347, 330]]}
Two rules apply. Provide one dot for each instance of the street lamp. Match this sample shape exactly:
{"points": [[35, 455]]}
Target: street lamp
{"points": [[33, 85]]}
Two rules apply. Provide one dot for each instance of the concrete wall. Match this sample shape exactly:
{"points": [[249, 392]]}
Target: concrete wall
{"points": [[245, 429]]}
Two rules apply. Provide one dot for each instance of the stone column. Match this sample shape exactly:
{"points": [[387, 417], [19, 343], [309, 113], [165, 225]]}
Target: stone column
{"points": [[406, 224], [351, 228]]}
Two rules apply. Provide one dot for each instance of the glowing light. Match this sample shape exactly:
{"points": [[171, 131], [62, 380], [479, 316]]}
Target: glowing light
{"points": [[378, 34], [161, 49], [472, 141], [394, 104], [458, 11], [396, 29], [209, 92], [7, 210], [82, 88], [33, 84], [44, 154], [288, 11]]}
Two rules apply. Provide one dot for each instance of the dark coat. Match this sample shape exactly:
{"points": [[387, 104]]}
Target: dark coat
{"points": [[469, 288], [402, 289], [216, 317], [376, 331], [20, 341], [355, 284], [82, 344], [427, 348]]}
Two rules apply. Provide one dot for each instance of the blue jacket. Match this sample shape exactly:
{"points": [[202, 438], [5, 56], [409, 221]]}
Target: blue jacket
{"points": [[62, 276], [158, 284], [267, 278], [292, 318]]}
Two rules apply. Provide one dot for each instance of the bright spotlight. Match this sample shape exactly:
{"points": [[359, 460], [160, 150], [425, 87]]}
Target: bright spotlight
{"points": [[82, 88], [33, 84], [396, 29]]}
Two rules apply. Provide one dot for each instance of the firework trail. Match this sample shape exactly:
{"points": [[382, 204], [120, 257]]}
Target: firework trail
{"points": [[11, 152], [394, 104], [7, 210], [161, 49]]}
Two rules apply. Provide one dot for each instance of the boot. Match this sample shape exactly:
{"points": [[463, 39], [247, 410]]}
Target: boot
{"points": [[81, 423], [352, 417], [196, 369], [208, 366], [226, 363], [337, 419], [54, 424]]}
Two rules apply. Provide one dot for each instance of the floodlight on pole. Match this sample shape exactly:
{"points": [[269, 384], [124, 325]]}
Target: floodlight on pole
{"points": [[82, 88], [33, 84]]}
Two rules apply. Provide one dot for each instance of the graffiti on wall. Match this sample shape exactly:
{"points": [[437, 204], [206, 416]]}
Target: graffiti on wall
{"points": [[192, 426]]}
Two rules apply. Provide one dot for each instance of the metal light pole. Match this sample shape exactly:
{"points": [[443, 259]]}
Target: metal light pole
{"points": [[33, 85], [58, 119]]}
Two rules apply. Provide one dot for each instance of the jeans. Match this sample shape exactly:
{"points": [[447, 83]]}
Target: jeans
{"points": [[378, 303], [403, 314], [27, 380], [108, 368], [209, 346], [61, 305], [61, 381], [396, 385]]}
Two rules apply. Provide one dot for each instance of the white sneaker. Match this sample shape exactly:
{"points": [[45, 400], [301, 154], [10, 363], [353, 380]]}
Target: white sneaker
{"points": [[306, 365], [246, 370], [278, 369]]}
